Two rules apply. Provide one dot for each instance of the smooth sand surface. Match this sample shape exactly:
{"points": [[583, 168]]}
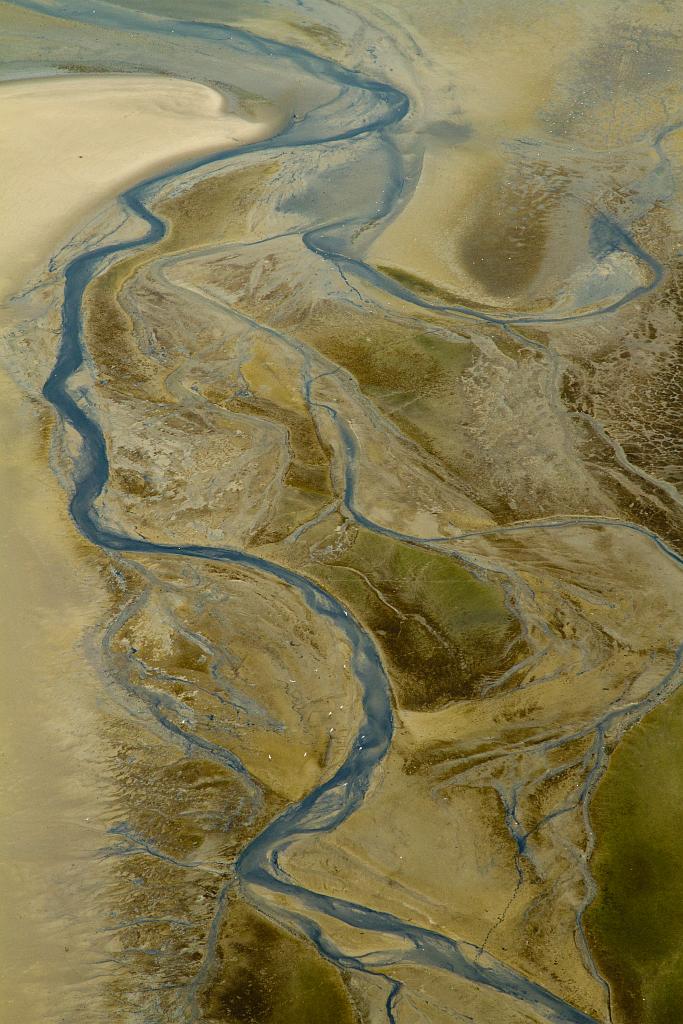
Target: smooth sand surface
{"points": [[68, 143], [51, 596]]}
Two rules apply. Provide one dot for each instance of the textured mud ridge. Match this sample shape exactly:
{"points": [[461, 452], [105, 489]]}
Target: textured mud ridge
{"points": [[393, 585]]}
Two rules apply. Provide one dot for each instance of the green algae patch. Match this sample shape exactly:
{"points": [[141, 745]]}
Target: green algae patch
{"points": [[322, 37], [414, 377], [267, 976], [442, 631], [635, 924]]}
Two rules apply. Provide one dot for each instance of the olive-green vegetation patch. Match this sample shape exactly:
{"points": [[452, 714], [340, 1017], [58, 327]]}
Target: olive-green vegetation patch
{"points": [[308, 469], [414, 377], [635, 925], [324, 37], [649, 429], [111, 341], [267, 976], [290, 509], [87, 69], [215, 209], [176, 807], [131, 482], [442, 631], [388, 358], [211, 211]]}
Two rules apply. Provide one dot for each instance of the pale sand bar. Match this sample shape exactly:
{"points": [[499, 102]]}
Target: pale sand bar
{"points": [[68, 143]]}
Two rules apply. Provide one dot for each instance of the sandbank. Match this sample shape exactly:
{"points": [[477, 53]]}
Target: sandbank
{"points": [[51, 598], [71, 142]]}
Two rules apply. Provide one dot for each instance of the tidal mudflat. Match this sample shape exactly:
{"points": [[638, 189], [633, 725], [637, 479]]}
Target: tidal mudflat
{"points": [[341, 515]]}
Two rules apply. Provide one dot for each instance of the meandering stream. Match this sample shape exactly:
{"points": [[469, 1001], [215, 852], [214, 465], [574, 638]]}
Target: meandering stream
{"points": [[361, 107]]}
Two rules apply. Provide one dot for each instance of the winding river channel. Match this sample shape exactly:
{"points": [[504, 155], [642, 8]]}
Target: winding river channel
{"points": [[365, 109], [338, 797]]}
